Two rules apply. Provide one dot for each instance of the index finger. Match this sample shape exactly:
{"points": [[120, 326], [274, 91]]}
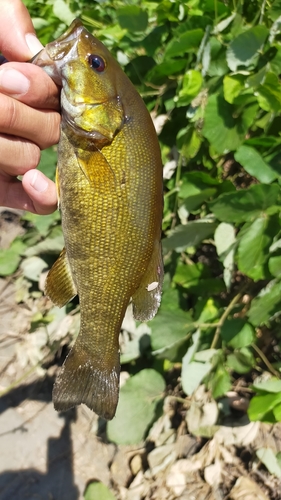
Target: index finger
{"points": [[18, 41]]}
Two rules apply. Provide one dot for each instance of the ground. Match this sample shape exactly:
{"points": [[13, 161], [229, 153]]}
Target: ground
{"points": [[189, 452]]}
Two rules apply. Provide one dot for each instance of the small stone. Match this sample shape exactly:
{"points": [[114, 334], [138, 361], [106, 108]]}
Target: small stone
{"points": [[136, 464]]}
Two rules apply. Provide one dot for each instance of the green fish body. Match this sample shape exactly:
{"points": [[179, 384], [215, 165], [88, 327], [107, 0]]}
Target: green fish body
{"points": [[109, 178]]}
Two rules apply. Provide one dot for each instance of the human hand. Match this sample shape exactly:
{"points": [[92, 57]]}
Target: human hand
{"points": [[29, 117]]}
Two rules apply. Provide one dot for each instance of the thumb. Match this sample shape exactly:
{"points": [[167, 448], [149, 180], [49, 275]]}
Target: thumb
{"points": [[18, 41]]}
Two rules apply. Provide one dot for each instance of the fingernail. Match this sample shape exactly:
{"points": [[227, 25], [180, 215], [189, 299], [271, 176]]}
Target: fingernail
{"points": [[33, 43], [38, 182], [13, 81]]}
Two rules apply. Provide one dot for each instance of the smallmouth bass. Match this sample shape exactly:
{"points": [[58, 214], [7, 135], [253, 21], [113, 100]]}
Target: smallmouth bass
{"points": [[109, 181]]}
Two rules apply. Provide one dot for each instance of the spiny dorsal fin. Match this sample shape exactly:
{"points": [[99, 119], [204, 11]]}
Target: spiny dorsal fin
{"points": [[59, 284]]}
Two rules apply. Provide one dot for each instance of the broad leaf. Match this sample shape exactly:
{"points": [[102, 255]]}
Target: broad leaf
{"points": [[189, 235], [11, 257], [98, 491], [268, 458], [224, 127], [266, 304], [136, 408], [253, 249], [169, 331], [261, 406], [237, 333], [245, 205], [132, 18], [254, 164], [244, 48], [184, 42]]}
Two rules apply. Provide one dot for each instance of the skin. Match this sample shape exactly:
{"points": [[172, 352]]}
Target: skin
{"points": [[29, 115]]}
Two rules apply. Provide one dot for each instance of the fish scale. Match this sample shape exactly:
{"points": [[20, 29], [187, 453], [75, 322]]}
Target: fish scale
{"points": [[109, 179]]}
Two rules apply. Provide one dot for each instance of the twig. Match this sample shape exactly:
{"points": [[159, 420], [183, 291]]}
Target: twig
{"points": [[225, 315], [265, 360]]}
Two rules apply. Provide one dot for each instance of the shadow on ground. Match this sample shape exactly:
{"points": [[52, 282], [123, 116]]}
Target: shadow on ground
{"points": [[29, 483]]}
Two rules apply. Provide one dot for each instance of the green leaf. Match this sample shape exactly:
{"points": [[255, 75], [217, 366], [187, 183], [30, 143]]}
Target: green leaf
{"points": [[237, 333], [193, 202], [274, 266], [221, 127], [189, 276], [220, 382], [32, 268], [62, 11], [245, 205], [42, 224], [244, 48], [136, 408], [232, 87], [254, 164], [184, 42], [241, 361], [260, 406], [225, 245], [277, 414], [132, 18], [169, 330], [193, 372], [51, 245], [11, 257], [189, 142], [98, 491], [271, 385], [188, 235], [160, 72], [191, 85], [224, 238], [268, 458], [253, 249], [266, 304], [269, 93], [48, 161]]}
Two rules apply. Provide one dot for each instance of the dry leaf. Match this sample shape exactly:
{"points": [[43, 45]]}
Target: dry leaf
{"points": [[246, 489], [213, 474]]}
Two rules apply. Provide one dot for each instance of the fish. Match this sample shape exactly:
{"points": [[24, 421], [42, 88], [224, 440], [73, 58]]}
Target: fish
{"points": [[110, 189]]}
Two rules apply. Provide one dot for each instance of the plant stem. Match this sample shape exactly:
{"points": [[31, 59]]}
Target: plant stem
{"points": [[265, 360], [225, 315]]}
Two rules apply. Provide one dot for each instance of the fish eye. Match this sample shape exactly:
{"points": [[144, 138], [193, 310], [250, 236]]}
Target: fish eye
{"points": [[97, 63]]}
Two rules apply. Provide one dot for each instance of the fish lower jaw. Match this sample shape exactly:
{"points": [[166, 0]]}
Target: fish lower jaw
{"points": [[92, 135]]}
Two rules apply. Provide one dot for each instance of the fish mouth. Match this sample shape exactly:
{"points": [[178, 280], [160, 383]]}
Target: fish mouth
{"points": [[62, 47], [56, 53]]}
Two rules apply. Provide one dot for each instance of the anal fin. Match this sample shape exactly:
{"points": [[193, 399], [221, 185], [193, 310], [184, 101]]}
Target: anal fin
{"points": [[146, 300], [59, 286]]}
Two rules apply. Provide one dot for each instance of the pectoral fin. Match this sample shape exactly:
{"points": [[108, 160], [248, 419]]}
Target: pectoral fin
{"points": [[146, 300], [96, 169], [59, 284]]}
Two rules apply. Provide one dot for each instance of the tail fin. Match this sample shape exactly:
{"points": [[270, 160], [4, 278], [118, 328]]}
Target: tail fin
{"points": [[81, 381]]}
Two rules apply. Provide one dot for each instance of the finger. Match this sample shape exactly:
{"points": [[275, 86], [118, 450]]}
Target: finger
{"points": [[36, 193], [18, 41], [18, 119], [17, 155], [41, 190], [29, 84]]}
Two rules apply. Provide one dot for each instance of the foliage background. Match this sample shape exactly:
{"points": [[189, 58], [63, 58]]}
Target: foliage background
{"points": [[209, 74]]}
